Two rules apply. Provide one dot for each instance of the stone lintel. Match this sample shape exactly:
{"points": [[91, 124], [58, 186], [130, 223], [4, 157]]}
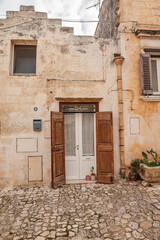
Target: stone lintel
{"points": [[78, 99]]}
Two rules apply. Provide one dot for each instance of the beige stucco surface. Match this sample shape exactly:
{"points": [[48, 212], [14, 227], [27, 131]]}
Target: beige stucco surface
{"points": [[138, 15], [68, 66], [140, 11]]}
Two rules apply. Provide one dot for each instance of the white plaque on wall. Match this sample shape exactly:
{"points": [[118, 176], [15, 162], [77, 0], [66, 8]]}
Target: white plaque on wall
{"points": [[134, 126]]}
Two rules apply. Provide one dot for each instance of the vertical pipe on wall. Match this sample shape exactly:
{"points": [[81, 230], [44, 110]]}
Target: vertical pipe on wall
{"points": [[119, 61]]}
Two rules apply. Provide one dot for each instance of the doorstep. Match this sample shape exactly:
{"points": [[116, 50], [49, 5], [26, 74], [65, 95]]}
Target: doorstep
{"points": [[79, 181]]}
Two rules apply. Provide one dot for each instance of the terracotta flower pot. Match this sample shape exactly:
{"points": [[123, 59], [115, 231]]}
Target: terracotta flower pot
{"points": [[88, 177], [132, 177], [93, 177]]}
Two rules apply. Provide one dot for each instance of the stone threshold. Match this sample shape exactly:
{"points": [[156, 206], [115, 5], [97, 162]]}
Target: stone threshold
{"points": [[79, 181]]}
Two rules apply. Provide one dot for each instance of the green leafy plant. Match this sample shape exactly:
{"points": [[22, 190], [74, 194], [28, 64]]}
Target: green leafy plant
{"points": [[152, 153], [155, 157], [153, 164], [136, 165], [133, 175], [92, 171], [145, 156]]}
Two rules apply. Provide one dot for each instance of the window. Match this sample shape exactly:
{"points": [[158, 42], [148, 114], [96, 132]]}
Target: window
{"points": [[88, 134], [155, 70], [150, 72], [24, 59]]}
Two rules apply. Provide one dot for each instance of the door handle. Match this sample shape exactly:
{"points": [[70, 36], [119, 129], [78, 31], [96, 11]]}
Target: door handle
{"points": [[77, 146]]}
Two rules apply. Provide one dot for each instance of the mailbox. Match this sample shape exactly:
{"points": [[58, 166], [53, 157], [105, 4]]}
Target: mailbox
{"points": [[37, 125]]}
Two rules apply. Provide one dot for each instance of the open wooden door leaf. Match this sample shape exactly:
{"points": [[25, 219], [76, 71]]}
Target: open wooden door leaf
{"points": [[105, 161], [57, 146]]}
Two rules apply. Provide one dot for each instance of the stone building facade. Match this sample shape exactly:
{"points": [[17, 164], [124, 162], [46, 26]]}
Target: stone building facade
{"points": [[43, 67], [138, 46], [48, 71], [139, 38]]}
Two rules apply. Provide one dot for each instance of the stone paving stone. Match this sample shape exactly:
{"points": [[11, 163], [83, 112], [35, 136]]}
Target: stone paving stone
{"points": [[126, 210]]}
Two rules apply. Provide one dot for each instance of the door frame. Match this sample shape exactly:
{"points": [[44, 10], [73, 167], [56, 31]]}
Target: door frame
{"points": [[104, 119], [97, 110]]}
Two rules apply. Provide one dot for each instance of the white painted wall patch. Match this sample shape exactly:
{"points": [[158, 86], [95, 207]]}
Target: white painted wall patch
{"points": [[134, 126], [26, 145], [35, 168]]}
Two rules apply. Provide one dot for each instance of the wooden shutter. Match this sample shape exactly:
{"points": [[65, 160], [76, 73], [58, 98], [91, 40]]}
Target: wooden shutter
{"points": [[57, 147], [104, 134], [146, 74]]}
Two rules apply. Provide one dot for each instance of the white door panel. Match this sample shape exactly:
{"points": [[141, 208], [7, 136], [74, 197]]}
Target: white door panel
{"points": [[85, 167], [80, 142], [71, 149], [87, 144]]}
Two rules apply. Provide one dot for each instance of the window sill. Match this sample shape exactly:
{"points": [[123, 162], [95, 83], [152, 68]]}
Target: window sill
{"points": [[23, 74], [153, 98]]}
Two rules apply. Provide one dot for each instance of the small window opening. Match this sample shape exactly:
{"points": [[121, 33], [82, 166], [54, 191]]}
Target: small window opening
{"points": [[24, 59]]}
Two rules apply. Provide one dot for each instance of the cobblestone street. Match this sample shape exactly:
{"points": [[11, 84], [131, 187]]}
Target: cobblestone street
{"points": [[97, 211]]}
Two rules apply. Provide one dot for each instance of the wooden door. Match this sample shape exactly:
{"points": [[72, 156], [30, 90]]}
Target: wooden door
{"points": [[57, 147], [104, 133]]}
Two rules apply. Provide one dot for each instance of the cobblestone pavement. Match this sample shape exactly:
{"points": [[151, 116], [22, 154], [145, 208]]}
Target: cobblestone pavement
{"points": [[97, 211]]}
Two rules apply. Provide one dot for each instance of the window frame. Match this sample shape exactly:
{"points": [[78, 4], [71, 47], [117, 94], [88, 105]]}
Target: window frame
{"points": [[146, 72], [12, 61]]}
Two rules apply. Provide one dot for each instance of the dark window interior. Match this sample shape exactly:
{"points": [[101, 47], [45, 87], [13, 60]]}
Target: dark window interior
{"points": [[24, 59]]}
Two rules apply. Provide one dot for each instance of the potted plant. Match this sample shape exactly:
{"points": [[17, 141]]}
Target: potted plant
{"points": [[93, 175], [148, 169], [88, 177], [151, 167], [133, 175], [135, 168]]}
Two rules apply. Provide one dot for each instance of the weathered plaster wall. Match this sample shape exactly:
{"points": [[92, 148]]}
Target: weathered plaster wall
{"points": [[67, 66], [140, 11], [142, 129]]}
